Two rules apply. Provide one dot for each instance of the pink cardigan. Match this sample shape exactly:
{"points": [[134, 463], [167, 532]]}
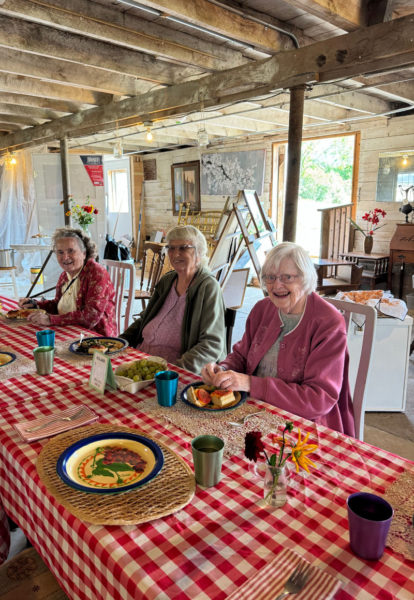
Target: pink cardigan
{"points": [[312, 364], [95, 302]]}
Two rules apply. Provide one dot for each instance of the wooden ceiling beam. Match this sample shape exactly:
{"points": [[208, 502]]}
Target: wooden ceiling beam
{"points": [[107, 24], [34, 87], [222, 21], [39, 102], [53, 43], [346, 14], [356, 53], [65, 72], [43, 114]]}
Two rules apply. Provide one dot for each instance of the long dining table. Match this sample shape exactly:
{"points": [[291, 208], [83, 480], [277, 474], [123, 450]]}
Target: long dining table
{"points": [[225, 536]]}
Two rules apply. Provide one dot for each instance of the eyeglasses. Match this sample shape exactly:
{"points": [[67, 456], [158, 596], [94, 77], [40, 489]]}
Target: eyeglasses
{"points": [[284, 278], [180, 248]]}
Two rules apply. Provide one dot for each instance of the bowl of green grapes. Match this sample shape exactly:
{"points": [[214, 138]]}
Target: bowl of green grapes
{"points": [[137, 374]]}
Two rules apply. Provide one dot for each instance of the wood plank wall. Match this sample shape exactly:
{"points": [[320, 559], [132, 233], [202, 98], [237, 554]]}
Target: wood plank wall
{"points": [[377, 135]]}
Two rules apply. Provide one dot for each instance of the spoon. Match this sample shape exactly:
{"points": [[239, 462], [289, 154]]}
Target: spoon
{"points": [[241, 422]]}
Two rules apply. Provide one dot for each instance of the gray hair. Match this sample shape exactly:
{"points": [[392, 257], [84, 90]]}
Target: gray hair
{"points": [[300, 258], [84, 242], [189, 232]]}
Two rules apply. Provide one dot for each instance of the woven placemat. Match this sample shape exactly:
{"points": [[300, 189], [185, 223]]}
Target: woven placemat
{"points": [[172, 489], [198, 422], [20, 366]]}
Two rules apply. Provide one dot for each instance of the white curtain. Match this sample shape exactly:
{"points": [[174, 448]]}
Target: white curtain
{"points": [[18, 215]]}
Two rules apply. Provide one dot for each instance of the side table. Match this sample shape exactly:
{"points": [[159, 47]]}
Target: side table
{"points": [[378, 273]]}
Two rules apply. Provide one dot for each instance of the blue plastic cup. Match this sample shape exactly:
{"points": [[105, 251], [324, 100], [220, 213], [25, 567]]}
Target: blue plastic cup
{"points": [[46, 337], [166, 383]]}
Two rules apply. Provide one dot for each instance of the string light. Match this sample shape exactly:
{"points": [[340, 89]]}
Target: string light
{"points": [[405, 160], [10, 160], [118, 149]]}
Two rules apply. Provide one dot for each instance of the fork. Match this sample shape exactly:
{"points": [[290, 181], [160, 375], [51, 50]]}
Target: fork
{"points": [[296, 581], [70, 418], [241, 422]]}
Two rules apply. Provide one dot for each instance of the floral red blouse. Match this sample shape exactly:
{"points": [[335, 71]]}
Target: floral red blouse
{"points": [[95, 301]]}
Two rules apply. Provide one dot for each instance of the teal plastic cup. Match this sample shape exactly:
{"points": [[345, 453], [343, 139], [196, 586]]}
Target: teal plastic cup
{"points": [[46, 337], [166, 383]]}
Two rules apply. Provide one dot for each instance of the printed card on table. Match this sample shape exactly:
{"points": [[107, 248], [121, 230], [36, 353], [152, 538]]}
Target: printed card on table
{"points": [[101, 373]]}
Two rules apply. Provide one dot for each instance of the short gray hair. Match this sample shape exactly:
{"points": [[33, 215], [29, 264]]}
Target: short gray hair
{"points": [[189, 232], [300, 258], [84, 242]]}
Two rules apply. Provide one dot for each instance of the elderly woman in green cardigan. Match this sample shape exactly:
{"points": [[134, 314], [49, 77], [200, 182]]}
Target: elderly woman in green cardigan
{"points": [[184, 319]]}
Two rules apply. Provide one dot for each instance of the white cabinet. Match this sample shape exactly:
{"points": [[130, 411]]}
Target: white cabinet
{"points": [[387, 385]]}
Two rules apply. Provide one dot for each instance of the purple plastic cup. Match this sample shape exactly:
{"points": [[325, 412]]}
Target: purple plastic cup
{"points": [[369, 518]]}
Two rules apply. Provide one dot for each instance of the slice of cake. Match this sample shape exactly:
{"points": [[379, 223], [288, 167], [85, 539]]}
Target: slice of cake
{"points": [[222, 398]]}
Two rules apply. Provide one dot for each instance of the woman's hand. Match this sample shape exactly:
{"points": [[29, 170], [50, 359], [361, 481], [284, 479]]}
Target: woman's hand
{"points": [[27, 303], [209, 371], [230, 380], [39, 319]]}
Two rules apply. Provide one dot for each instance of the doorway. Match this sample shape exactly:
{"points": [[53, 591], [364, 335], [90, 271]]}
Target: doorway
{"points": [[328, 177], [118, 198]]}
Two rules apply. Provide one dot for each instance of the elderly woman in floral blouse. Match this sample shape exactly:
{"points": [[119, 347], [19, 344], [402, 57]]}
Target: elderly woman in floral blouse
{"points": [[85, 295]]}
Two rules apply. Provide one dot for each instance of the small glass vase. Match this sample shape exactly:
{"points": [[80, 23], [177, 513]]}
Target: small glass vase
{"points": [[368, 243], [85, 229], [275, 486]]}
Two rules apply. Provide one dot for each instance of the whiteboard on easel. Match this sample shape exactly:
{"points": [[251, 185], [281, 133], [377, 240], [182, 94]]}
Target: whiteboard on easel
{"points": [[235, 288]]}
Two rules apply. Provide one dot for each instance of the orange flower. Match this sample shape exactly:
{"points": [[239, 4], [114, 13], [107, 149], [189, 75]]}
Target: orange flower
{"points": [[68, 213], [300, 453]]}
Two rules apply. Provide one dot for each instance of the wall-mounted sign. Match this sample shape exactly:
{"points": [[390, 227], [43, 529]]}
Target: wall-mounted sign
{"points": [[94, 167]]}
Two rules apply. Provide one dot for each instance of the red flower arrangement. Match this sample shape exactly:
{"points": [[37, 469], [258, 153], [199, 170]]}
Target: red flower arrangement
{"points": [[82, 214], [372, 218]]}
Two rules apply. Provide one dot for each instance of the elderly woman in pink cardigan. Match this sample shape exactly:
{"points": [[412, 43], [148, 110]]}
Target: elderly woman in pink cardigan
{"points": [[293, 353]]}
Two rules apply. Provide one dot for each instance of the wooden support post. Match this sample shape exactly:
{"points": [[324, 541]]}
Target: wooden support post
{"points": [[297, 99], [64, 163], [137, 196]]}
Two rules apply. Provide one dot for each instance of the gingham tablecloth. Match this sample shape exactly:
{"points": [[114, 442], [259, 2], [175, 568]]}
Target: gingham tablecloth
{"points": [[222, 538], [218, 542]]}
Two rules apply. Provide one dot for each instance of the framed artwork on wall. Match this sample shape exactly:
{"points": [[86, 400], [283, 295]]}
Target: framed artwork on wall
{"points": [[185, 185]]}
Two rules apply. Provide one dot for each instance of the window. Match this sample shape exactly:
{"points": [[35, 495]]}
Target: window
{"points": [[118, 191]]}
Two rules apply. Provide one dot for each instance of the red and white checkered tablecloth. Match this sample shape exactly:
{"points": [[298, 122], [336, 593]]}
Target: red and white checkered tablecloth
{"points": [[222, 538]]}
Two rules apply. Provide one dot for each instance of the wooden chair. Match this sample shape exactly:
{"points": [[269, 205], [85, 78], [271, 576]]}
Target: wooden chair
{"points": [[364, 360], [339, 281], [151, 270], [122, 275]]}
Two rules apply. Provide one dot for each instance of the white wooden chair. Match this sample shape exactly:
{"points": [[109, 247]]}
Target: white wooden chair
{"points": [[122, 275], [363, 371]]}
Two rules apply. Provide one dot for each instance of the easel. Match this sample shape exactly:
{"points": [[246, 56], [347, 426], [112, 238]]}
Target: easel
{"points": [[245, 227], [42, 268]]}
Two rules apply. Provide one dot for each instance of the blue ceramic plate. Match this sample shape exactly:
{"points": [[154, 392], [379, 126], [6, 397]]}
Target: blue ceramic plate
{"points": [[6, 358], [113, 344], [240, 399], [107, 463]]}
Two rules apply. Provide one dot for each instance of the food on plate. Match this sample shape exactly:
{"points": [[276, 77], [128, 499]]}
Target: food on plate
{"points": [[363, 296], [5, 358], [198, 396], [140, 370], [98, 347], [22, 313], [89, 345], [207, 396], [222, 398]]}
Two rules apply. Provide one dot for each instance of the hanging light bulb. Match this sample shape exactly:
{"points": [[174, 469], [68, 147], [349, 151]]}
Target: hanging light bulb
{"points": [[202, 136], [148, 136], [405, 160], [10, 160], [118, 150], [13, 160]]}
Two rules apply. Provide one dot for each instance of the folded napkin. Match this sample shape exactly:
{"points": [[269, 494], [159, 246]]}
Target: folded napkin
{"points": [[55, 423], [269, 582]]}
